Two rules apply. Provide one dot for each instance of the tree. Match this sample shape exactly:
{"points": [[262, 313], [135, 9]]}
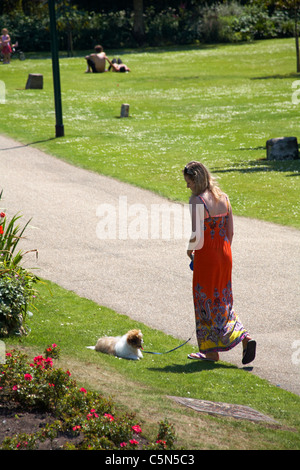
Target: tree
{"points": [[10, 6], [67, 19], [138, 21], [293, 6]]}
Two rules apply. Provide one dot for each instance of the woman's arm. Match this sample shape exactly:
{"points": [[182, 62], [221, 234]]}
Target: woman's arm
{"points": [[197, 218], [230, 229]]}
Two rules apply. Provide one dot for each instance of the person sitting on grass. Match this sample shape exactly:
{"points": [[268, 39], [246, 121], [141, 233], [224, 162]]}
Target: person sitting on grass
{"points": [[96, 61]]}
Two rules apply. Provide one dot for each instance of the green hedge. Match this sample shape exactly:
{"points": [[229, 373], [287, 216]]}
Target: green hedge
{"points": [[217, 23]]}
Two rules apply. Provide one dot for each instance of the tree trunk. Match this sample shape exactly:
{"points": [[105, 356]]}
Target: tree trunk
{"points": [[70, 43], [138, 21]]}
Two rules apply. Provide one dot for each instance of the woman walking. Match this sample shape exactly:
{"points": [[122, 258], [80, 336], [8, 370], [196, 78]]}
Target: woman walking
{"points": [[218, 328]]}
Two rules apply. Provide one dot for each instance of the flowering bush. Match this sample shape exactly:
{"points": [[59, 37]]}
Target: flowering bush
{"points": [[39, 385], [52, 351]]}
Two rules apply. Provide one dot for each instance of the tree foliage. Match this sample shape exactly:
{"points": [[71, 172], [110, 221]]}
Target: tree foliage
{"points": [[190, 22], [294, 7]]}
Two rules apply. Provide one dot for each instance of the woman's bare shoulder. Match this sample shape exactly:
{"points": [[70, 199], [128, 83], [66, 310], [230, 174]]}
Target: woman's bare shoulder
{"points": [[195, 199]]}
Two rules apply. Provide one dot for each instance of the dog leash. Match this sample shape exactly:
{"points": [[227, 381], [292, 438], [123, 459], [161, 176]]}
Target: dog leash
{"points": [[166, 352]]}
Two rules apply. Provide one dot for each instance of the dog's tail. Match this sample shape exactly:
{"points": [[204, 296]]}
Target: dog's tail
{"points": [[90, 347]]}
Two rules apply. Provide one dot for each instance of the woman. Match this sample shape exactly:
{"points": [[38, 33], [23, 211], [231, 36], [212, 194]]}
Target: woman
{"points": [[217, 326]]}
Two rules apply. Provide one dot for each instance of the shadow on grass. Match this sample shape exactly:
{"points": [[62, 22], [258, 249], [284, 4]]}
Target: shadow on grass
{"points": [[30, 143], [192, 367], [275, 77], [263, 165]]}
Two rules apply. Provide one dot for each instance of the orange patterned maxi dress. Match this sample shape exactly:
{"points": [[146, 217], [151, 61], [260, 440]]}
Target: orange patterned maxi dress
{"points": [[217, 326]]}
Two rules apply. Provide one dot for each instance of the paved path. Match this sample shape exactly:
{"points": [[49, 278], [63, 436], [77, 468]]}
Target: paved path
{"points": [[149, 280]]}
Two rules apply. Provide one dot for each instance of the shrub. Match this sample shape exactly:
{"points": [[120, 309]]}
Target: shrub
{"points": [[16, 283], [162, 27], [205, 22], [32, 32], [256, 23], [13, 306]]}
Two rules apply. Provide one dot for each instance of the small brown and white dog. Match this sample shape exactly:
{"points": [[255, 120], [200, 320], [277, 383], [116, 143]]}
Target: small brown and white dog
{"points": [[127, 346]]}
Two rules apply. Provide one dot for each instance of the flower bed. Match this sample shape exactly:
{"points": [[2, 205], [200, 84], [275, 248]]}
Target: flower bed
{"points": [[52, 411]]}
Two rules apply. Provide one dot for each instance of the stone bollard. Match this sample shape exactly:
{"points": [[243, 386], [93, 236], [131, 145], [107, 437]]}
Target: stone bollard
{"points": [[34, 81], [124, 110], [282, 148]]}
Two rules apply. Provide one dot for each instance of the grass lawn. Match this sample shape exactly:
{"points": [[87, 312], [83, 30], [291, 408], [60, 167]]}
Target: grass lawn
{"points": [[142, 386], [216, 104]]}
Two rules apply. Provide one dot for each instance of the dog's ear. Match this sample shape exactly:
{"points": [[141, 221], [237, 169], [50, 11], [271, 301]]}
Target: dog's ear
{"points": [[134, 337], [134, 332]]}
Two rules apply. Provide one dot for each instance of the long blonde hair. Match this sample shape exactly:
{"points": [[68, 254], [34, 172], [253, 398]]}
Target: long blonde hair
{"points": [[202, 178]]}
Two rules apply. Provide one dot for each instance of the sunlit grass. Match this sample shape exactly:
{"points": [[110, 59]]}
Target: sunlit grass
{"points": [[142, 386], [216, 104]]}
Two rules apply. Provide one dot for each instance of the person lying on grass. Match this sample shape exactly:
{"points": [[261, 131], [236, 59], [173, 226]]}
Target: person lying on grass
{"points": [[118, 66]]}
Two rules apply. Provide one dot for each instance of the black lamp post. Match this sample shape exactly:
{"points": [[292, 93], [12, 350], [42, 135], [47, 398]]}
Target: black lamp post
{"points": [[59, 127]]}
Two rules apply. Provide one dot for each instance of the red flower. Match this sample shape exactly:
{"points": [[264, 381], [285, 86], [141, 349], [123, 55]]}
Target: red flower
{"points": [[49, 361], [110, 417], [38, 360], [28, 377], [137, 429], [92, 414], [160, 441], [2, 215], [1, 230], [83, 390], [133, 441]]}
